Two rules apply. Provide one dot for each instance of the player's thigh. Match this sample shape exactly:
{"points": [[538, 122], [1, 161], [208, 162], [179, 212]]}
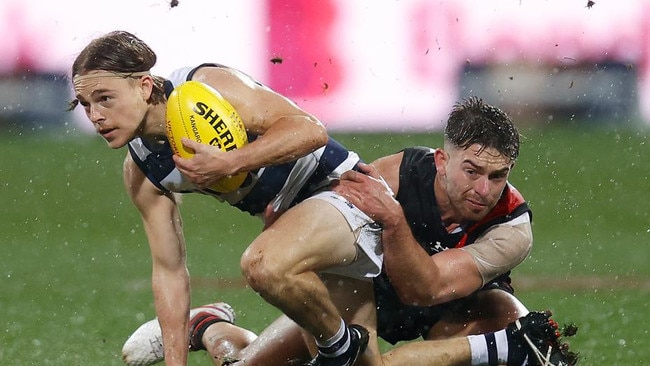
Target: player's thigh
{"points": [[310, 236], [485, 311]]}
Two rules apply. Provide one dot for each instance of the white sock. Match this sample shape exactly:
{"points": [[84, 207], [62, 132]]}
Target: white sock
{"points": [[489, 349], [336, 345]]}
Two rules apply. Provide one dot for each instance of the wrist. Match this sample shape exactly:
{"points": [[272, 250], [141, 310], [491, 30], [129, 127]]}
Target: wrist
{"points": [[393, 220]]}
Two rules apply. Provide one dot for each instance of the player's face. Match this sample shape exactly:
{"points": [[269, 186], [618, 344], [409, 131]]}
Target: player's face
{"points": [[473, 180], [116, 106]]}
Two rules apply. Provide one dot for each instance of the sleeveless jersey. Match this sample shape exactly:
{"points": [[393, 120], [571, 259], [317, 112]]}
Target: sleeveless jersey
{"points": [[397, 321], [282, 185], [417, 172]]}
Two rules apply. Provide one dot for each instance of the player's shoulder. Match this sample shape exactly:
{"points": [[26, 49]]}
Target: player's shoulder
{"points": [[388, 167], [417, 156], [232, 83], [180, 75], [416, 153], [202, 72], [389, 161], [218, 72]]}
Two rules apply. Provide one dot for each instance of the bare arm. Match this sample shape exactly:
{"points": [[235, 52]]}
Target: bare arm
{"points": [[454, 273], [286, 132], [170, 278]]}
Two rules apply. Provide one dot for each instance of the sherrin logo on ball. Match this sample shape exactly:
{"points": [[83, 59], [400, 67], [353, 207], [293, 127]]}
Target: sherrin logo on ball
{"points": [[197, 111]]}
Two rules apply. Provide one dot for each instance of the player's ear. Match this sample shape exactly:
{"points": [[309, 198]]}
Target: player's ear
{"points": [[146, 86], [440, 159]]}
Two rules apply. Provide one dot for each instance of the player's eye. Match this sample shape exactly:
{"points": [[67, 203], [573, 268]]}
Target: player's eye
{"points": [[499, 176], [105, 101]]}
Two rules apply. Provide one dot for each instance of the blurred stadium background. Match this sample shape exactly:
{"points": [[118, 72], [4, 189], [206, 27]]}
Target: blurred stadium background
{"points": [[358, 65], [382, 75]]}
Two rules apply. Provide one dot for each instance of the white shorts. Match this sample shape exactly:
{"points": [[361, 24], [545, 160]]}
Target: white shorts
{"points": [[370, 255]]}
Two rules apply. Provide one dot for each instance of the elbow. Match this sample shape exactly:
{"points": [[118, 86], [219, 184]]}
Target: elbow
{"points": [[316, 131], [167, 270], [321, 136]]}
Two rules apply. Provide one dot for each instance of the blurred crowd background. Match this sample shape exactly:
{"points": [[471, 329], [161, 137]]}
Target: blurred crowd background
{"points": [[362, 65]]}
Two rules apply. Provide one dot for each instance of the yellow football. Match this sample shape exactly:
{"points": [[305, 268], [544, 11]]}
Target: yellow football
{"points": [[197, 111]]}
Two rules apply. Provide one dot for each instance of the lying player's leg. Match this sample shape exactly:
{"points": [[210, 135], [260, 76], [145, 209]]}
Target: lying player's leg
{"points": [[485, 311], [280, 343], [224, 341], [533, 340], [283, 342], [530, 339], [446, 352], [482, 319]]}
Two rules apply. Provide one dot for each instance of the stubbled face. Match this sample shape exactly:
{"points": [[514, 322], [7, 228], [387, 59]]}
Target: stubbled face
{"points": [[471, 181], [116, 106]]}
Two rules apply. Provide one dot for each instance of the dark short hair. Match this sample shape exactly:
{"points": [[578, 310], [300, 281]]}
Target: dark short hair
{"points": [[473, 121]]}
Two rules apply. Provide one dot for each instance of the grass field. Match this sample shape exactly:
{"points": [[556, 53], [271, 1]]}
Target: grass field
{"points": [[75, 265]]}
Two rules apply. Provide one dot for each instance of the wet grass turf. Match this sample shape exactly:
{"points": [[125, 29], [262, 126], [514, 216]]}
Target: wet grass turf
{"points": [[75, 264]]}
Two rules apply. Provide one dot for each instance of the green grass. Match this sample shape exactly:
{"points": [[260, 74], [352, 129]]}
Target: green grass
{"points": [[75, 264]]}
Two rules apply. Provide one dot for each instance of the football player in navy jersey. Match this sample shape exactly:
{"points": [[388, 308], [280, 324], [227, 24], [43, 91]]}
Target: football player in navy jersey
{"points": [[313, 237], [453, 229]]}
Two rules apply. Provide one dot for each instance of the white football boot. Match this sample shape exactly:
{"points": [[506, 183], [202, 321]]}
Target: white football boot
{"points": [[144, 347]]}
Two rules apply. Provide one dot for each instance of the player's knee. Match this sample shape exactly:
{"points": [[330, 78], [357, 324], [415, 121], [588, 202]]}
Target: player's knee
{"points": [[501, 305], [227, 340], [264, 275]]}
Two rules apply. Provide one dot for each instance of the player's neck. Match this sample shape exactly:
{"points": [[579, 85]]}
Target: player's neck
{"points": [[442, 199], [153, 126]]}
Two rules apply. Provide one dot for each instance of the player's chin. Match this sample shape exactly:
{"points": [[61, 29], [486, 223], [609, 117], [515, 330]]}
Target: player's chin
{"points": [[476, 212], [115, 142]]}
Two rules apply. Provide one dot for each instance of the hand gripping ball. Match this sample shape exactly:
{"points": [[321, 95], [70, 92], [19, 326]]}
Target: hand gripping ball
{"points": [[197, 111]]}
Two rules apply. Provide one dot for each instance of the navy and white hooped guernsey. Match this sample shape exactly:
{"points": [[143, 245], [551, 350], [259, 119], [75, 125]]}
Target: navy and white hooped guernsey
{"points": [[282, 185]]}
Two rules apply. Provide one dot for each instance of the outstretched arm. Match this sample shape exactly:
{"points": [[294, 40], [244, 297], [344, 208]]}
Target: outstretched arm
{"points": [[170, 278]]}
